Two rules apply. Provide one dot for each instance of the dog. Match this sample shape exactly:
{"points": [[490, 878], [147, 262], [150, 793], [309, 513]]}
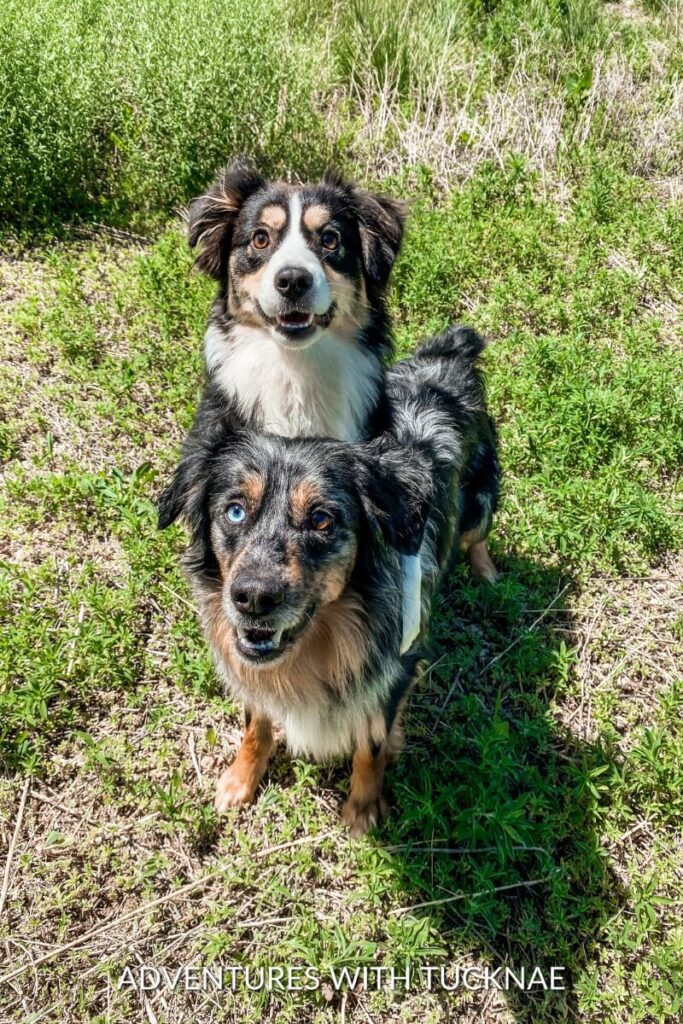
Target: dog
{"points": [[299, 332], [294, 564]]}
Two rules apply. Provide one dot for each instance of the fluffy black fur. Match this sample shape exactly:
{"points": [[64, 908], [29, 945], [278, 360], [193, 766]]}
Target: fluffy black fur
{"points": [[442, 390]]}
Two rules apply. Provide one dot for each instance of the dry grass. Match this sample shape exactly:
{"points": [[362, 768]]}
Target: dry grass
{"points": [[466, 113], [630, 649]]}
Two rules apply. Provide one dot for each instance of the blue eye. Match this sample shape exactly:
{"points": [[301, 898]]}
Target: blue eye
{"points": [[235, 512]]}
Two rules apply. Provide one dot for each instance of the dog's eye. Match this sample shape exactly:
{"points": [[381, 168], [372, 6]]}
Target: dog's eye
{"points": [[330, 239], [320, 520], [260, 239], [235, 512]]}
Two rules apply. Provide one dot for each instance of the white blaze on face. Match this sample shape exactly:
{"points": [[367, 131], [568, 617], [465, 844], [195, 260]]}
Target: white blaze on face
{"points": [[293, 252]]}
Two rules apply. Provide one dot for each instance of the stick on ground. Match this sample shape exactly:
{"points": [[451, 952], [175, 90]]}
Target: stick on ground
{"points": [[13, 843]]}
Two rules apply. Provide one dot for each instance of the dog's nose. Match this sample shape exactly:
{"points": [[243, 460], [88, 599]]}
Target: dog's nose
{"points": [[292, 282], [255, 595]]}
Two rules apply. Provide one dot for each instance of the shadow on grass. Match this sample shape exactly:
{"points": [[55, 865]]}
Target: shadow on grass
{"points": [[496, 805]]}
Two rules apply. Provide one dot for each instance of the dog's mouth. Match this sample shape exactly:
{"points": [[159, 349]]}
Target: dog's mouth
{"points": [[261, 644], [258, 644], [301, 324], [296, 323]]}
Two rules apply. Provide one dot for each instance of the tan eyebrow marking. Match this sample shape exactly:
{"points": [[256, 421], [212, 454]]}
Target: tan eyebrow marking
{"points": [[316, 215], [302, 496], [273, 216], [252, 487]]}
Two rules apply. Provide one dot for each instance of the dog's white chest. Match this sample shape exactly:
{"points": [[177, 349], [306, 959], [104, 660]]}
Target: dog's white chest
{"points": [[328, 389]]}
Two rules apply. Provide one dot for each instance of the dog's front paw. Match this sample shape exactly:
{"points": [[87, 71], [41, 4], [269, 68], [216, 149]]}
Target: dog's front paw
{"points": [[233, 789], [361, 815]]}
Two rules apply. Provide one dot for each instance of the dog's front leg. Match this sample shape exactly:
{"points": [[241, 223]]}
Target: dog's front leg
{"points": [[238, 783], [366, 804]]}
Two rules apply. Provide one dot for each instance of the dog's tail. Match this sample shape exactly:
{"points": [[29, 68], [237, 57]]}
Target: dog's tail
{"points": [[436, 398]]}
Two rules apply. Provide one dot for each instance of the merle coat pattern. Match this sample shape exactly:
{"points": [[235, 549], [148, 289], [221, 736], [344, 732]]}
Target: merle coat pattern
{"points": [[293, 561]]}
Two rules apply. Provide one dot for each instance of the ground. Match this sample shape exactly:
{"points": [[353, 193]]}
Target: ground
{"points": [[535, 814]]}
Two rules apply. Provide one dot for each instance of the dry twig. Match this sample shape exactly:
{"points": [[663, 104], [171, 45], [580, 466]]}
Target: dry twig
{"points": [[13, 843]]}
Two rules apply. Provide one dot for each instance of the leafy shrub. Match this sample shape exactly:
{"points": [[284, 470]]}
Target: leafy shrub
{"points": [[124, 109]]}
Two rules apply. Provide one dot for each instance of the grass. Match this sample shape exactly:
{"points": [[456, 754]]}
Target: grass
{"points": [[540, 791], [128, 108]]}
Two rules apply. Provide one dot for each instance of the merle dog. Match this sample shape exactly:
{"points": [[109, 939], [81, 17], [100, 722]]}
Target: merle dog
{"points": [[294, 563]]}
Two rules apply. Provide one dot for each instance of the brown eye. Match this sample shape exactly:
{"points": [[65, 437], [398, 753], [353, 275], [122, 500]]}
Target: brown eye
{"points": [[260, 239], [330, 239], [320, 520]]}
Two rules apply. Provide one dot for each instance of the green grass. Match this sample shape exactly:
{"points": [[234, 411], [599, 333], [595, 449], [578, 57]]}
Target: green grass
{"points": [[572, 299], [122, 111], [541, 783]]}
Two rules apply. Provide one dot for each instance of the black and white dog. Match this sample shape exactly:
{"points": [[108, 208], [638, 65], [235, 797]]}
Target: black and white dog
{"points": [[294, 563], [299, 332]]}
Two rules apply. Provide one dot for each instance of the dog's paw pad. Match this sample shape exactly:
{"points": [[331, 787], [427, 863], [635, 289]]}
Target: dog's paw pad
{"points": [[360, 816], [232, 790]]}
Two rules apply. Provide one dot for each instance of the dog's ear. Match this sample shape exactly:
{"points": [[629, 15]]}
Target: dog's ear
{"points": [[185, 495], [211, 217], [395, 486], [381, 221], [215, 431]]}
